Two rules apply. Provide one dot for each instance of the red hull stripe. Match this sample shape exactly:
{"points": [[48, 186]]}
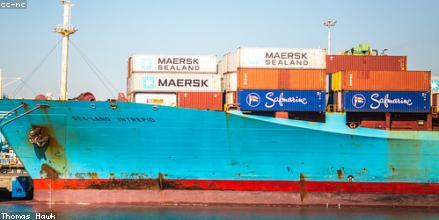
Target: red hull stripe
{"points": [[241, 185]]}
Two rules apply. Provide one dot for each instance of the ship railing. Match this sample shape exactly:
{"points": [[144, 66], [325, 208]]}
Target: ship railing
{"points": [[228, 107], [14, 110]]}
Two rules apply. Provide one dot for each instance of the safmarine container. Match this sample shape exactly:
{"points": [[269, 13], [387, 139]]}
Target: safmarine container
{"points": [[174, 82], [165, 99], [172, 63], [276, 58], [200, 100], [389, 101], [336, 63], [281, 79], [418, 81], [282, 100]]}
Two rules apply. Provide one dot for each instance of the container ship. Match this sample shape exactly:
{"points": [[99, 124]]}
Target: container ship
{"points": [[277, 126]]}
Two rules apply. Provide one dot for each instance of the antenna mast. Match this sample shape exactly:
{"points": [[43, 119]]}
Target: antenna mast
{"points": [[66, 29]]}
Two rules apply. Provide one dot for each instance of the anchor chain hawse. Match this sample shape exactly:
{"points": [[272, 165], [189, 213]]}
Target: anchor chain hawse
{"points": [[37, 137]]}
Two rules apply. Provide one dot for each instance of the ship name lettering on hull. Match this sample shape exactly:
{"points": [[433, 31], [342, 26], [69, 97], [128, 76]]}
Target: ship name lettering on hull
{"points": [[108, 119]]}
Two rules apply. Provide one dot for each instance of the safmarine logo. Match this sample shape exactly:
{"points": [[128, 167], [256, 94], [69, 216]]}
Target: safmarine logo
{"points": [[358, 101], [253, 100], [145, 63], [148, 82]]}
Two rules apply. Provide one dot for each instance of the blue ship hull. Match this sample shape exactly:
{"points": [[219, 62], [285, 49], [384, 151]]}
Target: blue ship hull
{"points": [[101, 140]]}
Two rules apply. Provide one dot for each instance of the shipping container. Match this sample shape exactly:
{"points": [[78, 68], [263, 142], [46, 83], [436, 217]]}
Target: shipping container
{"points": [[174, 82], [435, 99], [338, 96], [173, 63], [230, 82], [230, 62], [231, 98], [417, 81], [388, 101], [200, 100], [165, 99], [335, 63], [282, 100], [281, 79], [328, 82], [276, 58], [221, 67]]}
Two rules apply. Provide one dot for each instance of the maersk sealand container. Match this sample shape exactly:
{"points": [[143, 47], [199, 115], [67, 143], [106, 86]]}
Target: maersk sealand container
{"points": [[379, 101], [282, 100]]}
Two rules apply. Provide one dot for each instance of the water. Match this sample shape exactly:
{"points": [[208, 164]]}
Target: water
{"points": [[127, 212]]}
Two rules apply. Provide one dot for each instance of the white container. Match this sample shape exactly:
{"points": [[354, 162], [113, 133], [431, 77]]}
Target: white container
{"points": [[231, 82], [339, 101], [277, 58], [173, 63], [230, 98], [174, 82], [164, 99], [221, 67], [230, 61]]}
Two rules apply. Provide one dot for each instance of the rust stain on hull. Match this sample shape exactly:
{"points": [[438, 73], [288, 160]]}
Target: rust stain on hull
{"points": [[340, 174], [49, 172], [53, 152], [302, 187], [126, 184], [90, 175]]}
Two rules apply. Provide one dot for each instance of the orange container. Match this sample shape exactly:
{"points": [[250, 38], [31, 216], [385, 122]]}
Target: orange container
{"points": [[435, 99], [297, 79], [416, 81], [250, 78], [200, 100], [304, 80], [336, 63]]}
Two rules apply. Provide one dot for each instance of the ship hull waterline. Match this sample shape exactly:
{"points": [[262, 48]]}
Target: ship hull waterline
{"points": [[123, 148]]}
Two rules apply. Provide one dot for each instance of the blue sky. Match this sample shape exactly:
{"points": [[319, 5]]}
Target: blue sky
{"points": [[109, 31]]}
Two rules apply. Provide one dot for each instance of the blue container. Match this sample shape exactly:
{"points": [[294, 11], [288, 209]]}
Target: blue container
{"points": [[282, 100], [366, 101]]}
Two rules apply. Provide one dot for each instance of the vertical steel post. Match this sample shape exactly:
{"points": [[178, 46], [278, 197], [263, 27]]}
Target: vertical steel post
{"points": [[65, 30]]}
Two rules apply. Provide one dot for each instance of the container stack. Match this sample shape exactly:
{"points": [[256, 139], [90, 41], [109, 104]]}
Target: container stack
{"points": [[384, 99], [275, 79], [382, 91], [187, 81]]}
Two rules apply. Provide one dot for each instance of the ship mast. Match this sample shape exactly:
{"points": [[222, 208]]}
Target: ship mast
{"points": [[66, 29]]}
